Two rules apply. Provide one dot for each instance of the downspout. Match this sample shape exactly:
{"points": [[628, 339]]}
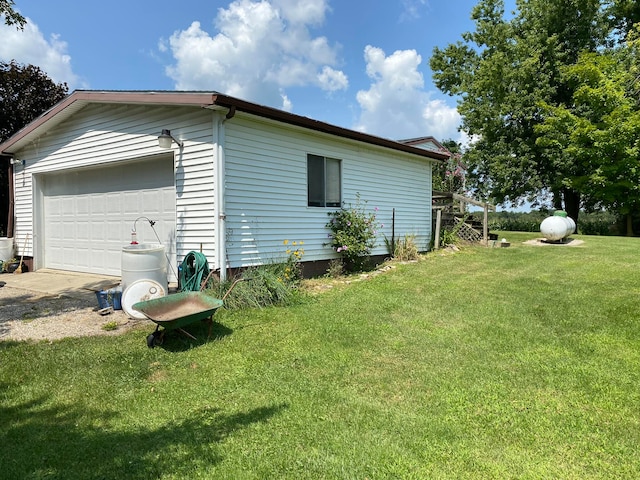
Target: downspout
{"points": [[222, 216], [11, 208]]}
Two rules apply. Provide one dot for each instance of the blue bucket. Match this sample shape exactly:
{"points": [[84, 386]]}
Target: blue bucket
{"points": [[109, 298]]}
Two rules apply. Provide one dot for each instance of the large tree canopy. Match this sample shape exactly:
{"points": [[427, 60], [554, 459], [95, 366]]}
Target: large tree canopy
{"points": [[507, 73], [25, 93], [600, 131], [11, 17]]}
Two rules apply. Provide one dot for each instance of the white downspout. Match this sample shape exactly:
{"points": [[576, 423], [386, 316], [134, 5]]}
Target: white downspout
{"points": [[221, 227], [221, 183]]}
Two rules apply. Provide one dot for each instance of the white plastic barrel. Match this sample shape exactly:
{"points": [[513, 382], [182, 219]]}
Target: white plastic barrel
{"points": [[6, 248], [144, 261]]}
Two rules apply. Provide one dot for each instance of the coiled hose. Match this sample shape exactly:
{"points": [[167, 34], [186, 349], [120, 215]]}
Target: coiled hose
{"points": [[193, 271]]}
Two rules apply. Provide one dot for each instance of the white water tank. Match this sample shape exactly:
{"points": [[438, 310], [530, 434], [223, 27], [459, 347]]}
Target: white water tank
{"points": [[144, 261], [557, 227]]}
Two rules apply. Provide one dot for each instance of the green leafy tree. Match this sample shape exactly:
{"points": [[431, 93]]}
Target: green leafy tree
{"points": [[25, 93], [501, 72], [599, 132], [11, 17], [623, 15]]}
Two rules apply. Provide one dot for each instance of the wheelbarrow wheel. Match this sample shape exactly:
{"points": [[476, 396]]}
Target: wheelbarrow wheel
{"points": [[155, 338]]}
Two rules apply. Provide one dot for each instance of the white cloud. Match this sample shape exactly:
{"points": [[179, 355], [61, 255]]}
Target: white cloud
{"points": [[261, 48], [287, 106], [29, 47], [303, 11], [332, 80], [396, 104], [411, 9]]}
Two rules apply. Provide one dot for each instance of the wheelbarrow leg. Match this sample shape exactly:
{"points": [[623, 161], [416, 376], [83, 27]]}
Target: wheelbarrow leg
{"points": [[186, 333], [210, 322]]}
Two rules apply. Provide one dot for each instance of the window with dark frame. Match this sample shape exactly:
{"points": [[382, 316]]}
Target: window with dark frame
{"points": [[323, 181]]}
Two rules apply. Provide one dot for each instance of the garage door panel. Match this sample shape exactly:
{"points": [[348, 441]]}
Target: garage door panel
{"points": [[68, 206], [89, 214], [96, 205]]}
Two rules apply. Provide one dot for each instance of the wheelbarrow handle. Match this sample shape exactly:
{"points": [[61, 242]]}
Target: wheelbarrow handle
{"points": [[232, 287], [206, 280]]}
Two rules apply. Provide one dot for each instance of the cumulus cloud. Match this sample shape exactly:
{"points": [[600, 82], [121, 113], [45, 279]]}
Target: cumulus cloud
{"points": [[30, 47], [260, 49], [396, 105]]}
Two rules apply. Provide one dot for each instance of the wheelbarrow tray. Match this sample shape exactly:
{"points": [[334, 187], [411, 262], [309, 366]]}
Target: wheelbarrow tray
{"points": [[180, 309]]}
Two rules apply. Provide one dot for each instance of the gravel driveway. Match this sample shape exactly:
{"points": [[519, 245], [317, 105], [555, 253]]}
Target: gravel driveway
{"points": [[27, 315]]}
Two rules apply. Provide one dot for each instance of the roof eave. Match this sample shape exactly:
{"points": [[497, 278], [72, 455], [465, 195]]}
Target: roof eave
{"points": [[204, 99], [83, 97], [306, 122]]}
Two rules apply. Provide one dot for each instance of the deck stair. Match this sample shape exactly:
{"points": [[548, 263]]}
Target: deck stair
{"points": [[451, 210]]}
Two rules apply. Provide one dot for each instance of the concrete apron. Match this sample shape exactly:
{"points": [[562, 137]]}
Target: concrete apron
{"points": [[60, 282]]}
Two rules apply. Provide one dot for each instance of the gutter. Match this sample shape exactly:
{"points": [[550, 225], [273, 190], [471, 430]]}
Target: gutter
{"points": [[292, 119]]}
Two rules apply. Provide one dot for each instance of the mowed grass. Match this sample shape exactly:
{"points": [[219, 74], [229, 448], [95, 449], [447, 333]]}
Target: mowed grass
{"points": [[519, 362]]}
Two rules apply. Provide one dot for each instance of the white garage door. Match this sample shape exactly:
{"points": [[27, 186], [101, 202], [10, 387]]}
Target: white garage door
{"points": [[89, 214]]}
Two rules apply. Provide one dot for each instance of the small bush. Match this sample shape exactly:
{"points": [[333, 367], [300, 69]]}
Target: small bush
{"points": [[406, 249], [449, 236], [353, 234], [335, 269]]}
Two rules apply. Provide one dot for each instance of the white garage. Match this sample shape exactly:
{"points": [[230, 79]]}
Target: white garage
{"points": [[220, 175], [87, 214]]}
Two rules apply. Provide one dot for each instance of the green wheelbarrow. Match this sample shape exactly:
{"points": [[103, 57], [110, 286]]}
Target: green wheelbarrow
{"points": [[176, 311], [179, 310]]}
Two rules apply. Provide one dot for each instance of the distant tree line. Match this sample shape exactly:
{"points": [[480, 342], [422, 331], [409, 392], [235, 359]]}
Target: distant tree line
{"points": [[592, 223]]}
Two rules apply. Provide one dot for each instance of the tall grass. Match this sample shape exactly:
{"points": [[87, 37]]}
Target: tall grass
{"points": [[519, 362]]}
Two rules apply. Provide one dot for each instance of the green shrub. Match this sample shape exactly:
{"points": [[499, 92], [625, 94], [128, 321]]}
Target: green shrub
{"points": [[353, 234], [449, 236], [335, 268]]}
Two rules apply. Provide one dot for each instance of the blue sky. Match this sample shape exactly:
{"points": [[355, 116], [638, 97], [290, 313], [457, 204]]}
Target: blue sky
{"points": [[357, 64]]}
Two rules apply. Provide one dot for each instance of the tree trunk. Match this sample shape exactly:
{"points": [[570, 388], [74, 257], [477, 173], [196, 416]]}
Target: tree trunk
{"points": [[629, 225], [557, 200], [572, 204]]}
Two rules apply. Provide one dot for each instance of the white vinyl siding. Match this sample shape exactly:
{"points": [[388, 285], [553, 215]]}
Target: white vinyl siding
{"points": [[101, 135], [266, 190], [265, 182]]}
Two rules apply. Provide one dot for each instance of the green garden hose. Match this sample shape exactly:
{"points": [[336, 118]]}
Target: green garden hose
{"points": [[193, 271]]}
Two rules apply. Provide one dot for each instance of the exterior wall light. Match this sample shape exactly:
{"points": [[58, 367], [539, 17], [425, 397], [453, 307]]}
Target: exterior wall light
{"points": [[15, 161], [165, 139]]}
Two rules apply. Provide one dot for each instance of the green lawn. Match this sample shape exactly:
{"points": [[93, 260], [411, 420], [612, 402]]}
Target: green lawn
{"points": [[520, 362]]}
